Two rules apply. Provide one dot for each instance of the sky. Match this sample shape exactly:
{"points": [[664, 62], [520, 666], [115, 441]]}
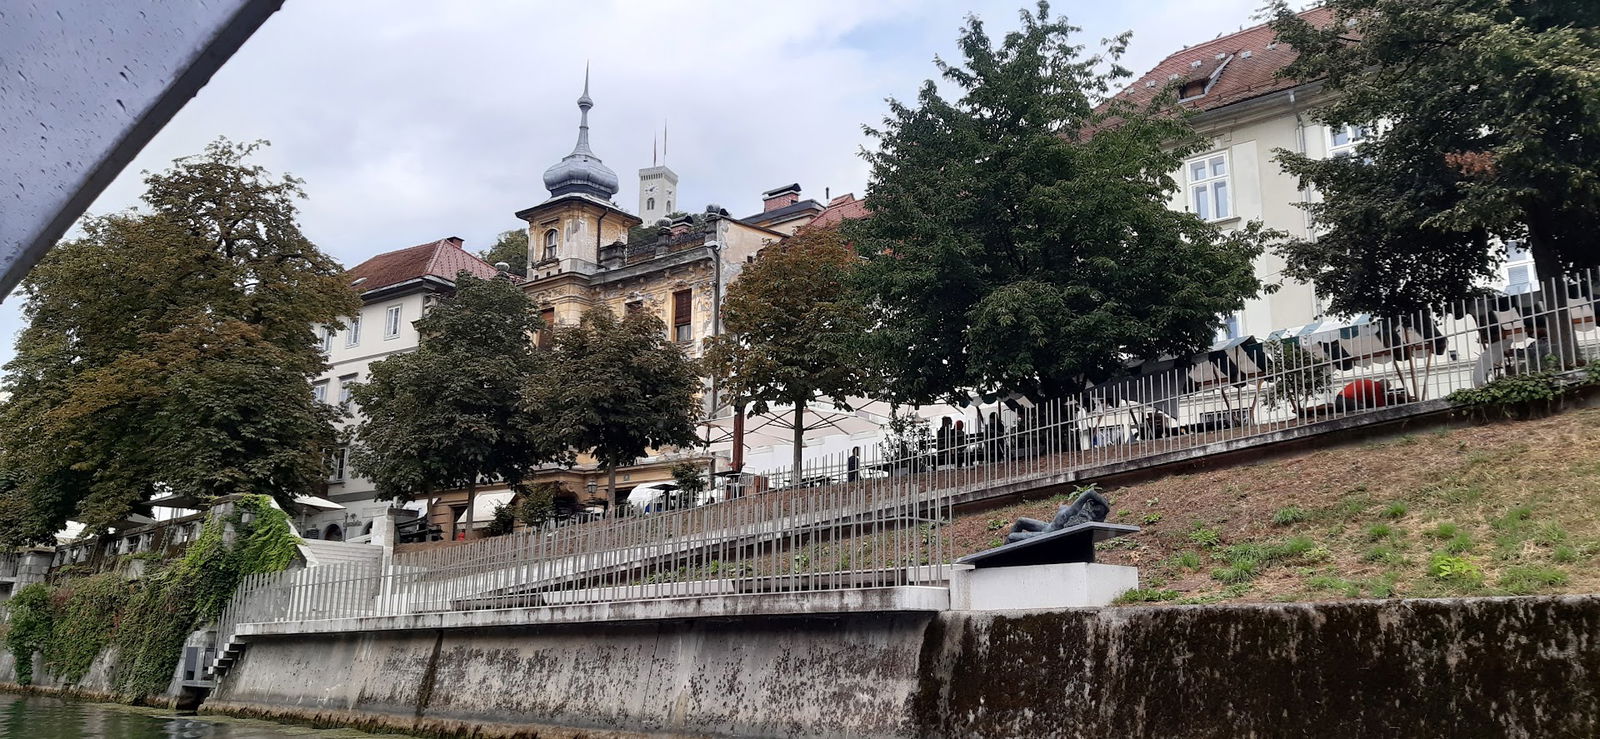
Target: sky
{"points": [[410, 121]]}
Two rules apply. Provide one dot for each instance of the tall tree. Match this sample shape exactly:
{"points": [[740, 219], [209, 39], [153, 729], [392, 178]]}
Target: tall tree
{"points": [[511, 248], [448, 416], [170, 350], [1020, 238], [1486, 115], [794, 329], [615, 388]]}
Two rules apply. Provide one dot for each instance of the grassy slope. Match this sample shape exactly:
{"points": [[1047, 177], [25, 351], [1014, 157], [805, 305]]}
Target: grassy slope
{"points": [[1505, 508]]}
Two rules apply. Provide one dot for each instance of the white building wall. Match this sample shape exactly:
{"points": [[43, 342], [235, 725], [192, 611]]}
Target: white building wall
{"points": [[351, 364]]}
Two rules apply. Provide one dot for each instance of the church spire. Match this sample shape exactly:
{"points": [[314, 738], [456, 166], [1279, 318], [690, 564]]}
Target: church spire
{"points": [[584, 104]]}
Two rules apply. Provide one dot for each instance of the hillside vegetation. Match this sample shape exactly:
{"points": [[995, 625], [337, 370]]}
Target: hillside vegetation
{"points": [[1506, 508]]}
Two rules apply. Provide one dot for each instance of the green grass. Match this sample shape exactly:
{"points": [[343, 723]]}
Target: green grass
{"points": [[1186, 560], [1529, 579], [1384, 554], [1146, 595], [1444, 531], [1458, 544], [1289, 516], [1379, 532], [1394, 510]]}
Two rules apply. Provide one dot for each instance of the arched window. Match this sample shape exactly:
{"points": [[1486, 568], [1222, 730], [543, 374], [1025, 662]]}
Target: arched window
{"points": [[650, 204], [333, 533], [550, 244]]}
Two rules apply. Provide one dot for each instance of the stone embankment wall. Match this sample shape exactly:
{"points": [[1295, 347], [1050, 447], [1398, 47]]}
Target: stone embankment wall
{"points": [[1471, 667]]}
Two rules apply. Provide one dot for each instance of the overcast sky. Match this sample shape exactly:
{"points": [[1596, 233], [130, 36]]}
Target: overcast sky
{"points": [[412, 121]]}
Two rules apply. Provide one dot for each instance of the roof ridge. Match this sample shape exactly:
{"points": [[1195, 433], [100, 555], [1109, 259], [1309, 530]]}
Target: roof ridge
{"points": [[1243, 31]]}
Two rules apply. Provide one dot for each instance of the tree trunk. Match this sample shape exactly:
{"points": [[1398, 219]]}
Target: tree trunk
{"points": [[472, 514], [1557, 322], [799, 440], [611, 485]]}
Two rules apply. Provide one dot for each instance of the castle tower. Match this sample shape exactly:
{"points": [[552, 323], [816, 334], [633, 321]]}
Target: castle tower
{"points": [[658, 187]]}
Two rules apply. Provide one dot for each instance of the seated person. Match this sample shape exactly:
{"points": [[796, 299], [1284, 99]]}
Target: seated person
{"points": [[1090, 506]]}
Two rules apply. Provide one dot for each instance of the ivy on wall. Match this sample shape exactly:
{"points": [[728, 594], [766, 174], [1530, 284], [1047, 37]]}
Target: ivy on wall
{"points": [[149, 620]]}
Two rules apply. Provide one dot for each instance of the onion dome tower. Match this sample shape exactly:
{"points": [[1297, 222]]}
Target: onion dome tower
{"points": [[581, 172]]}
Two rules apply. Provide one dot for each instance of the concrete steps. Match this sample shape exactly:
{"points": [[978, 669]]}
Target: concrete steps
{"points": [[319, 553]]}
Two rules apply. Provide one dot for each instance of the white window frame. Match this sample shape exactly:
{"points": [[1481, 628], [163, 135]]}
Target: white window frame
{"points": [[1355, 136], [352, 333], [340, 460], [391, 322], [1208, 187], [319, 391], [327, 339]]}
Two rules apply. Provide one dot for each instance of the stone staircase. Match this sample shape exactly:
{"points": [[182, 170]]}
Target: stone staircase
{"points": [[317, 553]]}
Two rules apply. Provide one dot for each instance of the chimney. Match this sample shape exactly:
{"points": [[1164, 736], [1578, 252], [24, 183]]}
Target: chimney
{"points": [[454, 240], [682, 225], [780, 197]]}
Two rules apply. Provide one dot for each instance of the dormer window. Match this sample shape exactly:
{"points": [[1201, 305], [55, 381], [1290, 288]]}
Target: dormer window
{"points": [[550, 238], [1192, 89]]}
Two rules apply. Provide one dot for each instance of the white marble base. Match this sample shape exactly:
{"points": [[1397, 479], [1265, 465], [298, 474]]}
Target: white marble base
{"points": [[1074, 585]]}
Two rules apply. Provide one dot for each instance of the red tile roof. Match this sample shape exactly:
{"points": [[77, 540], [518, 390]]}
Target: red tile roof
{"points": [[443, 258], [1249, 61], [840, 209]]}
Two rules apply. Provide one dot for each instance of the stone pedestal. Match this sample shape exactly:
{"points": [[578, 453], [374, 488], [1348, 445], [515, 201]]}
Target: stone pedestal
{"points": [[1070, 585]]}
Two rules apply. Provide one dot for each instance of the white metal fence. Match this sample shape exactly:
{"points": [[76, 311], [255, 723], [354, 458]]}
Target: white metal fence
{"points": [[877, 517]]}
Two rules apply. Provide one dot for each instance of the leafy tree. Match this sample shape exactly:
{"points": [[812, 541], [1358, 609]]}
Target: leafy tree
{"points": [[614, 388], [794, 329], [691, 483], [1487, 115], [1299, 376], [511, 248], [1020, 238], [447, 416], [170, 350]]}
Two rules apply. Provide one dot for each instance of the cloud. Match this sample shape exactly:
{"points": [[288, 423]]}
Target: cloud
{"points": [[415, 120]]}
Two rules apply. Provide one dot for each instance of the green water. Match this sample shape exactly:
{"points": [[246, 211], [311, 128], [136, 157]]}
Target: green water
{"points": [[44, 717]]}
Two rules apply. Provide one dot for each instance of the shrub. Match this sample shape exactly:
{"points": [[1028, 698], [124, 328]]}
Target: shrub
{"points": [[1531, 579], [1505, 395], [1455, 570], [86, 612], [32, 619], [1205, 537], [1289, 516]]}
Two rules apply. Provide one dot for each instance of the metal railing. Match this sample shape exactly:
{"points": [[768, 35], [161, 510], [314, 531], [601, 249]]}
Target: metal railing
{"points": [[876, 517], [885, 532]]}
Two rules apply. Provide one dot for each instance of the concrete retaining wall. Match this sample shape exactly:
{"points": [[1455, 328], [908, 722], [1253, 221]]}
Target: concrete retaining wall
{"points": [[1497, 666]]}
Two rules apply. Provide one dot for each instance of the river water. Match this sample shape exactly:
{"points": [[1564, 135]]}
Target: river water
{"points": [[46, 717]]}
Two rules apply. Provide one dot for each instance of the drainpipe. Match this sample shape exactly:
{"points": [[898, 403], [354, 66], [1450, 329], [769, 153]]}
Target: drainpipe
{"points": [[716, 330], [599, 228], [1305, 194]]}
